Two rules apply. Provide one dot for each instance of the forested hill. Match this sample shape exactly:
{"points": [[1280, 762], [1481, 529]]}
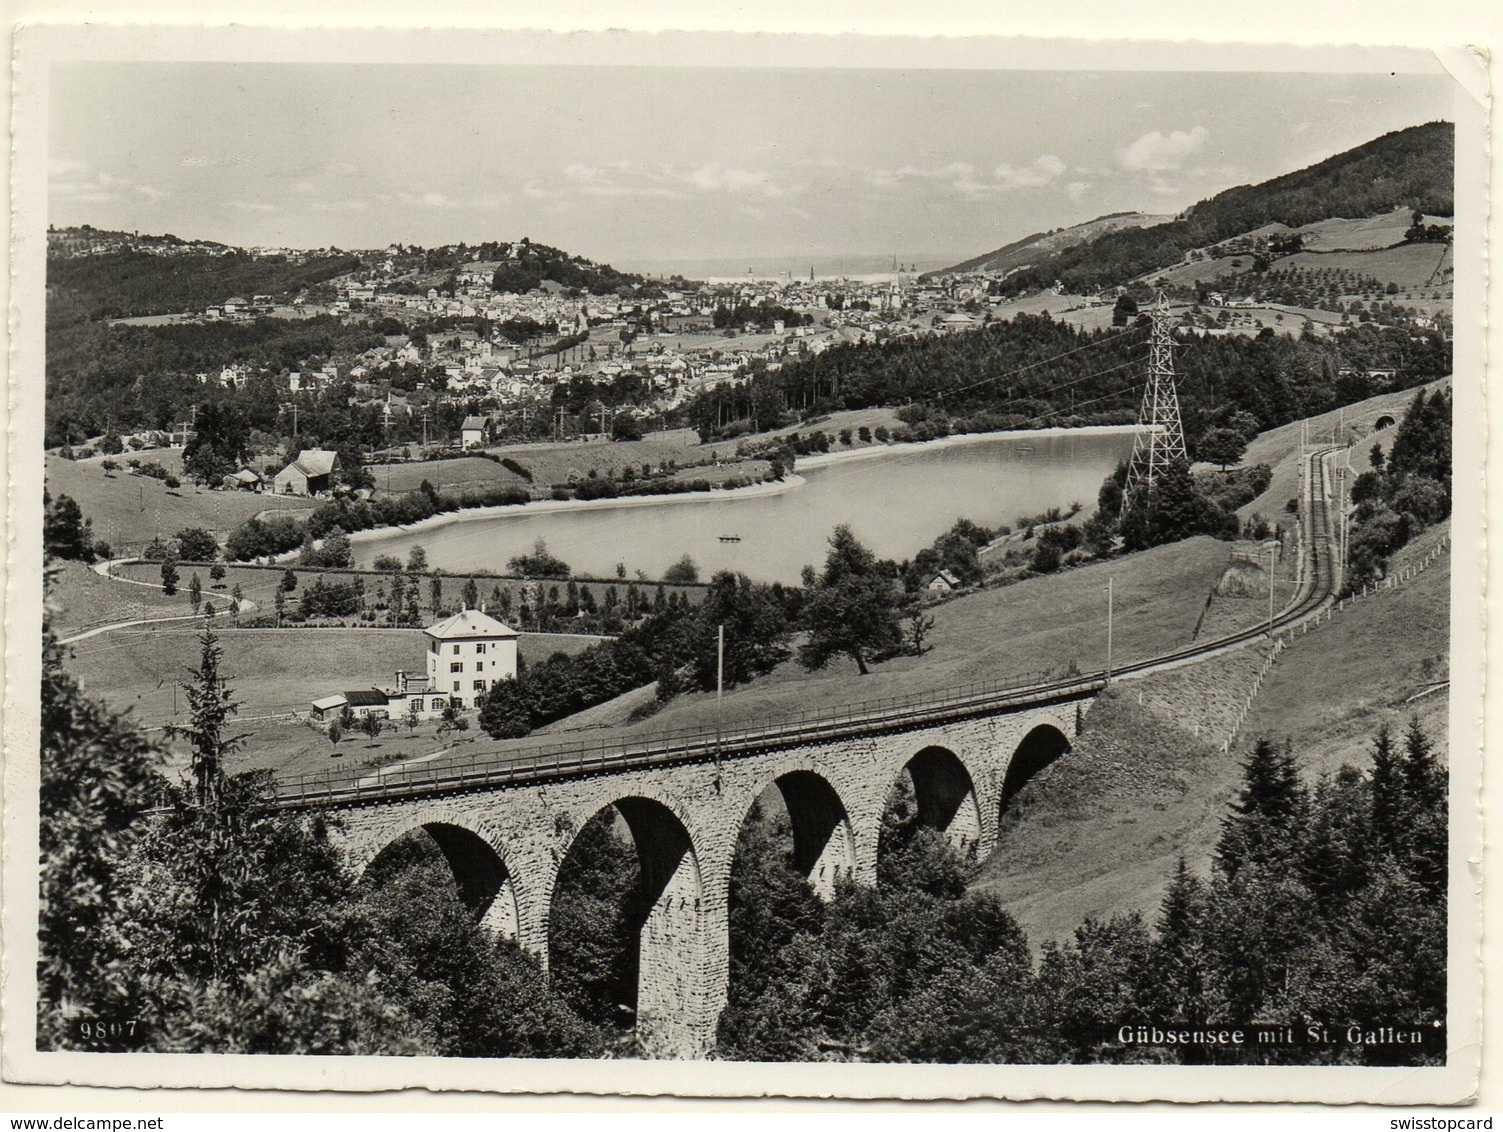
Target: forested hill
{"points": [[530, 265], [1411, 168], [1032, 248], [126, 283], [1032, 371]]}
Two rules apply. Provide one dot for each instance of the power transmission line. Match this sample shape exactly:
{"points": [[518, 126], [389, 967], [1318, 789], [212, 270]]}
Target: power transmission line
{"points": [[1041, 362], [1162, 443]]}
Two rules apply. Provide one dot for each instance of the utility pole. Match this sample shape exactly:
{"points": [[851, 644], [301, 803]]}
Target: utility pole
{"points": [[1110, 600], [719, 690], [1272, 549]]}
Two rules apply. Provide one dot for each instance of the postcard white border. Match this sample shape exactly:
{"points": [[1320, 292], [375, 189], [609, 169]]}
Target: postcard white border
{"points": [[42, 45]]}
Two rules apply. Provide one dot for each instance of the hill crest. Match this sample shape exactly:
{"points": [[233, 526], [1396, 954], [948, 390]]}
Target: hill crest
{"points": [[1410, 169], [1029, 249]]}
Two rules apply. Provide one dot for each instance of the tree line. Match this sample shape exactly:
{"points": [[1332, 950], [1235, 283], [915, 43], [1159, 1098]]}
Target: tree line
{"points": [[1403, 492], [1033, 370], [1324, 906]]}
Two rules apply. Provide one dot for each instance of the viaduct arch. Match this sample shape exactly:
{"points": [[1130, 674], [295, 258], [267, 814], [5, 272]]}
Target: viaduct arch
{"points": [[506, 843]]}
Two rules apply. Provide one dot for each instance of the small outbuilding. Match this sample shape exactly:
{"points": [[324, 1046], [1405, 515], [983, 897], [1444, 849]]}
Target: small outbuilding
{"points": [[243, 480], [310, 474], [943, 582], [472, 432]]}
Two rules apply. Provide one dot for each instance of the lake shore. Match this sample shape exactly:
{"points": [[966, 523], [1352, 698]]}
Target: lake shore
{"points": [[789, 482]]}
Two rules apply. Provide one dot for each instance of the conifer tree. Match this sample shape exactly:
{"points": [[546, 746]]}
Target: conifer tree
{"points": [[211, 705], [1388, 793], [1182, 959], [1425, 790], [1264, 818]]}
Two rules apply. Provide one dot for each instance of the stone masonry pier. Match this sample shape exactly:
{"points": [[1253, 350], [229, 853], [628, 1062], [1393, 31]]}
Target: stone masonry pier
{"points": [[505, 842]]}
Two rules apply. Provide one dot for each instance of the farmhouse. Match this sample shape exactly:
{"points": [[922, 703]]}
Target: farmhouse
{"points": [[310, 474], [467, 653]]}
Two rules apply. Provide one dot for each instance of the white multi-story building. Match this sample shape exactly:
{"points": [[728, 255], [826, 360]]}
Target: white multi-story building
{"points": [[469, 652]]}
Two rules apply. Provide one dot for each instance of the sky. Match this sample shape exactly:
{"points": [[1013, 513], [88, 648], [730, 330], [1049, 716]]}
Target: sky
{"points": [[650, 167]]}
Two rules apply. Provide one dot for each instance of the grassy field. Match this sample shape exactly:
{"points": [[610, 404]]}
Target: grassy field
{"points": [[552, 463], [1099, 832], [1382, 231], [1200, 271], [1410, 266], [1046, 623], [271, 670], [445, 475], [83, 599], [1335, 686], [132, 509]]}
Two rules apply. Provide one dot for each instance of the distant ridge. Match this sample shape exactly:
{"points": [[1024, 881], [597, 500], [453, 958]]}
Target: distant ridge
{"points": [[1412, 168], [1030, 249]]}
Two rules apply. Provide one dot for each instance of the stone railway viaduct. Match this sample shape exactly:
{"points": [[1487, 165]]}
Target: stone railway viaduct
{"points": [[505, 838]]}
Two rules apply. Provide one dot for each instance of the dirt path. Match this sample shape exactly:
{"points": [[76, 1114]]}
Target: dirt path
{"points": [[103, 570]]}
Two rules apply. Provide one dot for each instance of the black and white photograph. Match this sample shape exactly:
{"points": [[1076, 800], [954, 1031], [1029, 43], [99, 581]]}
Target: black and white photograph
{"points": [[536, 572]]}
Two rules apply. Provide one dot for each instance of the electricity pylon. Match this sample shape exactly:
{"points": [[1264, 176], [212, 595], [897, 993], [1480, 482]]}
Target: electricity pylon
{"points": [[1162, 440]]}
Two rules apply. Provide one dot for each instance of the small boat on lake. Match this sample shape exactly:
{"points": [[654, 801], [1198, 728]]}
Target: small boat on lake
{"points": [[730, 538]]}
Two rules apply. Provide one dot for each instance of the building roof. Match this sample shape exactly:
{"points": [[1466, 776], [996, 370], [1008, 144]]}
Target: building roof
{"points": [[472, 423], [245, 475], [469, 623], [324, 703], [366, 697], [946, 577], [315, 461]]}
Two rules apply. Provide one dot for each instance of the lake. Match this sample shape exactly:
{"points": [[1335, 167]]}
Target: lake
{"points": [[896, 500]]}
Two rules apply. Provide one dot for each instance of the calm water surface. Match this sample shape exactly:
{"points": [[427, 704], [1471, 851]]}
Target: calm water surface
{"points": [[896, 503]]}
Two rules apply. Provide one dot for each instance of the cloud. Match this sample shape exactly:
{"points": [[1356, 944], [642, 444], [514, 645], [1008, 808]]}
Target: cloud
{"points": [[714, 178], [961, 175], [1077, 190], [617, 179], [253, 206], [965, 178], [670, 182], [1035, 175], [1157, 152], [425, 200], [71, 179]]}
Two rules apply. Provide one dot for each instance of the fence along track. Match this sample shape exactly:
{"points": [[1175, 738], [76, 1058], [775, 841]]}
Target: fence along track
{"points": [[534, 763]]}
